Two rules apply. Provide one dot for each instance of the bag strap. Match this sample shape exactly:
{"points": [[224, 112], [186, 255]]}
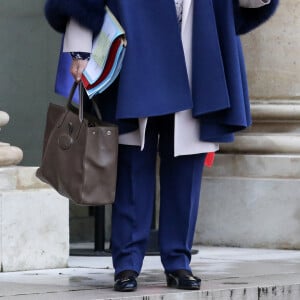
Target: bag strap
{"points": [[71, 95], [97, 110], [80, 113]]}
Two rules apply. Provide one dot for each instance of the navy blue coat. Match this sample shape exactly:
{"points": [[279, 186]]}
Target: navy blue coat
{"points": [[154, 80]]}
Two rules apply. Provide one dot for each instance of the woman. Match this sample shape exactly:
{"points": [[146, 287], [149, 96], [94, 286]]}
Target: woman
{"points": [[182, 90]]}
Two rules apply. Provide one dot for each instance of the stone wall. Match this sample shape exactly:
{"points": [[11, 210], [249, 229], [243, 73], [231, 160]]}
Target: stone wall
{"points": [[272, 56]]}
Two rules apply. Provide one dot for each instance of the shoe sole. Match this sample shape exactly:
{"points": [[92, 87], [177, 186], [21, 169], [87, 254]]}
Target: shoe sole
{"points": [[125, 290], [183, 287]]}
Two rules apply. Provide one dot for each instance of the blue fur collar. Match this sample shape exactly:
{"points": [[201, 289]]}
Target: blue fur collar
{"points": [[88, 13]]}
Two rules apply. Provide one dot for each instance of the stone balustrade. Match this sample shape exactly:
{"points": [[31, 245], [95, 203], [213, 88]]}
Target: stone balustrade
{"points": [[9, 155], [34, 219], [4, 118]]}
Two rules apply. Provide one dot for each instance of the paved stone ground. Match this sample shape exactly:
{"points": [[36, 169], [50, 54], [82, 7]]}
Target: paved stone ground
{"points": [[227, 274]]}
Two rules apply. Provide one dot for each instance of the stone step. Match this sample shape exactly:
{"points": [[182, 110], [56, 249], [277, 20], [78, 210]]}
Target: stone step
{"points": [[227, 274]]}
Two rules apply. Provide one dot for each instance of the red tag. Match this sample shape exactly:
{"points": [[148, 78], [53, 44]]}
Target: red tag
{"points": [[209, 159]]}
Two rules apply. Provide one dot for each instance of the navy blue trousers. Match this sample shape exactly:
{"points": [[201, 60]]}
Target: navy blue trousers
{"points": [[180, 181]]}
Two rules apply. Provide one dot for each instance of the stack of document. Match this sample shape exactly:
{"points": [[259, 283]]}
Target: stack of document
{"points": [[106, 58]]}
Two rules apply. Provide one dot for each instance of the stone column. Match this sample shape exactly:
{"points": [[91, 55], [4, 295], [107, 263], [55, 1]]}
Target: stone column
{"points": [[9, 155], [251, 198]]}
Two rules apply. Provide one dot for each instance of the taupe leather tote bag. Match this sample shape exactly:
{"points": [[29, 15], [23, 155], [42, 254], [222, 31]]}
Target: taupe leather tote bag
{"points": [[79, 155]]}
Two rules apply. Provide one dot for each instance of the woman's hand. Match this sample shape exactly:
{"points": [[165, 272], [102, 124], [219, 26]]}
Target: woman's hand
{"points": [[77, 68]]}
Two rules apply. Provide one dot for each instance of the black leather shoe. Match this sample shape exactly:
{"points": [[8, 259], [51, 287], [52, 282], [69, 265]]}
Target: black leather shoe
{"points": [[125, 281], [183, 279]]}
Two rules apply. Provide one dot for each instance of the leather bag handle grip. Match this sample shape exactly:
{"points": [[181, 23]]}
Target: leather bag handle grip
{"points": [[80, 113]]}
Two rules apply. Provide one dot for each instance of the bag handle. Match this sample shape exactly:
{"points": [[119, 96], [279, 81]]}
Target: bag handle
{"points": [[80, 113]]}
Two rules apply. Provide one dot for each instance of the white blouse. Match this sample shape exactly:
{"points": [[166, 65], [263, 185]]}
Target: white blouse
{"points": [[179, 9]]}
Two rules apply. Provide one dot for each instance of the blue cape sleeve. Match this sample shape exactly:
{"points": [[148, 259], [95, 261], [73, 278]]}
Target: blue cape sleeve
{"points": [[247, 19]]}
